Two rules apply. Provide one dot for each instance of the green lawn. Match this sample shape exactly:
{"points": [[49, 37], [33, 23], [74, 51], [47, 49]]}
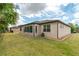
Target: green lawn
{"points": [[17, 44]]}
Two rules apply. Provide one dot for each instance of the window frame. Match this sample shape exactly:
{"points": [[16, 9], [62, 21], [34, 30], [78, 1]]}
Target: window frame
{"points": [[46, 28], [28, 29]]}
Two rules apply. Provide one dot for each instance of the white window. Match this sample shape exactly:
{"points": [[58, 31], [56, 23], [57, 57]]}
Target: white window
{"points": [[46, 28]]}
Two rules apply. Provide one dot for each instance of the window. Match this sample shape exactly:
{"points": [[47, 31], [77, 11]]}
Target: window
{"points": [[46, 28], [28, 29]]}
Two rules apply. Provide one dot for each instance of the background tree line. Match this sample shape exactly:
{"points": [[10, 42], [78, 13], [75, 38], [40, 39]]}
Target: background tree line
{"points": [[74, 28]]}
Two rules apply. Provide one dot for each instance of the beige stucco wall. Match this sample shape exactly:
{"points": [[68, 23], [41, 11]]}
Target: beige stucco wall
{"points": [[23, 29], [53, 30], [38, 29], [65, 30], [51, 34]]}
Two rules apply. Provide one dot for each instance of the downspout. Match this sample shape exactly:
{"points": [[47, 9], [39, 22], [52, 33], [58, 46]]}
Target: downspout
{"points": [[57, 31], [33, 30]]}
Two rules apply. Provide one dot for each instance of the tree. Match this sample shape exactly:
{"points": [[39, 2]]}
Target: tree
{"points": [[77, 28], [73, 27], [8, 15]]}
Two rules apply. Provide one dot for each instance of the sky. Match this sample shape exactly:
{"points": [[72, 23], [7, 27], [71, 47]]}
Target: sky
{"points": [[28, 12]]}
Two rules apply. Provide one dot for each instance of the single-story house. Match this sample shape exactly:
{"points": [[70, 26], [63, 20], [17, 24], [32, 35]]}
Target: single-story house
{"points": [[15, 29], [47, 28]]}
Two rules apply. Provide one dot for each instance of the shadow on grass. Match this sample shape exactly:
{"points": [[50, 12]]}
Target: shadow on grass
{"points": [[1, 37], [2, 46]]}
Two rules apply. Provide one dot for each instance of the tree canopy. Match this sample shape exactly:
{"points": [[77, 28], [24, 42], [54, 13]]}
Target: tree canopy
{"points": [[74, 27], [8, 15]]}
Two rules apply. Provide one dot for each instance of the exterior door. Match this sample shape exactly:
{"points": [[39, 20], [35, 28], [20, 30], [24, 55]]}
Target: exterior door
{"points": [[36, 29]]}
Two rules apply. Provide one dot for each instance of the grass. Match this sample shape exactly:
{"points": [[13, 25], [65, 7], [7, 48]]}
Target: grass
{"points": [[17, 44]]}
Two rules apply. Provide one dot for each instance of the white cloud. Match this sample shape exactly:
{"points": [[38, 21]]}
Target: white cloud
{"points": [[31, 8], [40, 1], [76, 15], [20, 21], [19, 12], [74, 21], [53, 1], [77, 7], [29, 16], [65, 17], [51, 6]]}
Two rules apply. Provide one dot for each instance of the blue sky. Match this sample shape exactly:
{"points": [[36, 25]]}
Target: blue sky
{"points": [[29, 12]]}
